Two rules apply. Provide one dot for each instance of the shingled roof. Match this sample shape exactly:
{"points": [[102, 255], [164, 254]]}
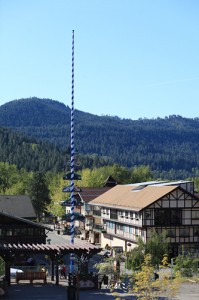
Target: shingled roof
{"points": [[4, 215], [20, 206], [132, 196]]}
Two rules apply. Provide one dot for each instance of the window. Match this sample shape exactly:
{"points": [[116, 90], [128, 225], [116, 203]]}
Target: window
{"points": [[110, 225], [126, 229], [195, 214], [176, 216], [9, 232], [30, 231], [114, 214], [121, 227], [165, 217], [171, 232], [148, 214], [136, 215], [196, 231], [184, 232], [17, 232]]}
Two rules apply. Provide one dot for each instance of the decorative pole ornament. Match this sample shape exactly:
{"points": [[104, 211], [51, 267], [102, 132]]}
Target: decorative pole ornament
{"points": [[72, 164]]}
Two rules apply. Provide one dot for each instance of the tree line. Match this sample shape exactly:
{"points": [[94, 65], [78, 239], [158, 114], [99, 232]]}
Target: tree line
{"points": [[14, 181], [45, 188]]}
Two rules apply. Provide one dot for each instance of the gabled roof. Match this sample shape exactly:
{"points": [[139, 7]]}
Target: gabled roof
{"points": [[110, 181], [20, 206], [89, 193], [7, 215], [132, 196]]}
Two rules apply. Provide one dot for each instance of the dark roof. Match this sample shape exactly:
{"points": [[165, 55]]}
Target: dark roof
{"points": [[20, 206], [110, 182], [23, 220], [89, 193]]}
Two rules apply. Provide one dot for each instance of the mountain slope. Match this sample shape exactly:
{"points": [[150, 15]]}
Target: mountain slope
{"points": [[27, 153], [33, 112], [163, 144]]}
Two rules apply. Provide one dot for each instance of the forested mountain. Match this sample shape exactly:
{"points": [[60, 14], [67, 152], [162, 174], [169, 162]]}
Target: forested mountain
{"points": [[32, 154], [169, 146], [27, 153]]}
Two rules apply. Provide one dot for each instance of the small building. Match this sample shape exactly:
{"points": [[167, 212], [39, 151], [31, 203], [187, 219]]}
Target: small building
{"points": [[82, 210], [17, 230], [88, 194]]}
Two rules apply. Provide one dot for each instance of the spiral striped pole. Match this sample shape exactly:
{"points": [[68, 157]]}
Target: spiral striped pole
{"points": [[72, 227]]}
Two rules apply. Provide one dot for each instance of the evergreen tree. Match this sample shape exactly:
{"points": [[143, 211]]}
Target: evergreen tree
{"points": [[39, 193], [8, 176], [156, 246]]}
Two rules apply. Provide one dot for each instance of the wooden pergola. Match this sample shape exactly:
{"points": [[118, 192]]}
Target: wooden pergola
{"points": [[21, 236], [54, 251]]}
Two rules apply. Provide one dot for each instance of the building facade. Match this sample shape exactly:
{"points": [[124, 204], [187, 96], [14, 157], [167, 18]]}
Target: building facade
{"points": [[127, 212]]}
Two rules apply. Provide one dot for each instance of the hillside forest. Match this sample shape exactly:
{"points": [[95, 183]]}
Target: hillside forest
{"points": [[35, 135]]}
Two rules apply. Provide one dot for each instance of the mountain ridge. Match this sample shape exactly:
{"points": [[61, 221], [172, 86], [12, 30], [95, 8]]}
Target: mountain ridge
{"points": [[165, 144]]}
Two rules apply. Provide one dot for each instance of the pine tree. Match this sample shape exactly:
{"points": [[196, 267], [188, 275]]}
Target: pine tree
{"points": [[39, 193]]}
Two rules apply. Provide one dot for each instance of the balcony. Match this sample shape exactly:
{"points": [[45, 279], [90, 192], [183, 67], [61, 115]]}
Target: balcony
{"points": [[99, 227], [89, 226], [88, 213], [97, 213], [113, 216]]}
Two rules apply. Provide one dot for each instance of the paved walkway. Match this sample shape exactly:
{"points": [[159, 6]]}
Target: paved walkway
{"points": [[25, 291], [49, 291]]}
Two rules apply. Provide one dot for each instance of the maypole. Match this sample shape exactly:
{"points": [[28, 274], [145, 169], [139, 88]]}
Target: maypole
{"points": [[72, 163]]}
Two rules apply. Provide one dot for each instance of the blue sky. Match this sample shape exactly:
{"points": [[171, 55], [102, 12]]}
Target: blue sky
{"points": [[133, 59]]}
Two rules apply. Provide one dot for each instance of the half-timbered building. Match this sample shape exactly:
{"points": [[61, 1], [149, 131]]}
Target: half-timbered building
{"points": [[127, 212]]}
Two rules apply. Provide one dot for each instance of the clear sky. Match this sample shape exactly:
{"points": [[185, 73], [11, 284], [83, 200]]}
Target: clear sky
{"points": [[133, 58]]}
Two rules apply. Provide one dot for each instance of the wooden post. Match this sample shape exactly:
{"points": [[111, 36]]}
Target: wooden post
{"points": [[57, 273], [53, 268]]}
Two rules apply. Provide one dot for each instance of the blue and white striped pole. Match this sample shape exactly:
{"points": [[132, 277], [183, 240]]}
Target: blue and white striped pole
{"points": [[72, 226]]}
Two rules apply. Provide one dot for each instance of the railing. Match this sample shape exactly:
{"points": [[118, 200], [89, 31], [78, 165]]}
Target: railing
{"points": [[99, 227], [113, 216], [89, 226], [88, 212], [97, 213]]}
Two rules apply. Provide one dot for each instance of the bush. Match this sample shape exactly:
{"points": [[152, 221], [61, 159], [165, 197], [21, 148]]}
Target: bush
{"points": [[187, 265]]}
